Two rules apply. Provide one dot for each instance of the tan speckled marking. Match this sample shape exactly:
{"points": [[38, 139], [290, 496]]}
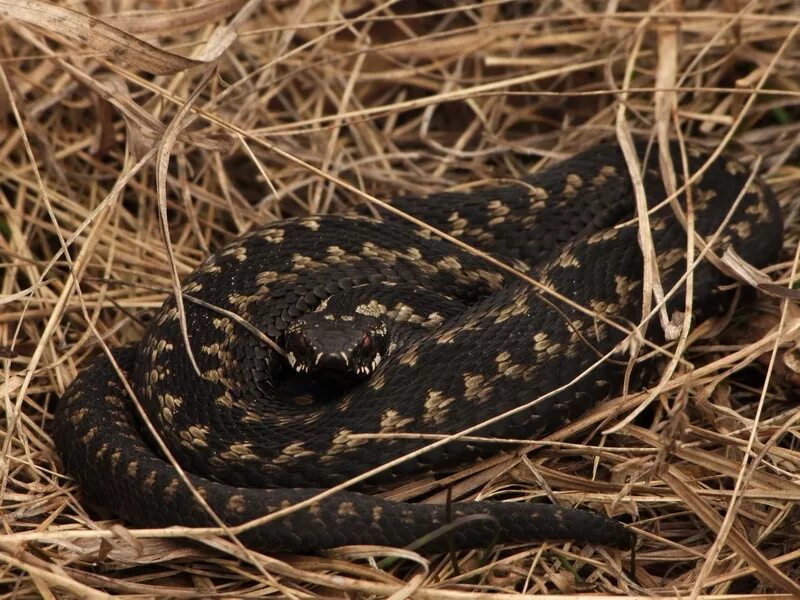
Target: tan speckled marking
{"points": [[150, 480], [300, 263], [450, 263], [568, 260], [78, 416], [392, 421], [602, 236], [311, 223], [410, 356], [743, 229], [703, 198], [101, 452], [172, 488], [437, 407], [239, 253], [239, 452], [625, 288], [342, 442], [537, 194], [372, 309], [89, 435], [292, 452], [476, 388], [734, 167], [346, 509], [236, 504], [274, 235]]}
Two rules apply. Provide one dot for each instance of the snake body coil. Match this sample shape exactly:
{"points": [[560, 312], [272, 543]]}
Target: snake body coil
{"points": [[250, 450]]}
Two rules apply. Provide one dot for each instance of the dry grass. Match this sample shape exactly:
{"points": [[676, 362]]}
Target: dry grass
{"points": [[314, 104]]}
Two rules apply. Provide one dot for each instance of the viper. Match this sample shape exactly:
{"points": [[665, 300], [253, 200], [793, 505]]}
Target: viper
{"points": [[316, 345]]}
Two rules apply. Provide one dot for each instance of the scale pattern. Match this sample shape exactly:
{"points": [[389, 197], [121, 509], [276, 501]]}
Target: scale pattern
{"points": [[250, 449]]}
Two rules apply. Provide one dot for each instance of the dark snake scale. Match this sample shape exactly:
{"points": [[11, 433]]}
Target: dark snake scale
{"points": [[250, 448]]}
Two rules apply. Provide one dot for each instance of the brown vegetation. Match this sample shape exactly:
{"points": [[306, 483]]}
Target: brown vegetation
{"points": [[224, 114]]}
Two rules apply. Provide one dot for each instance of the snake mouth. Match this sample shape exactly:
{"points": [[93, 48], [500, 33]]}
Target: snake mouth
{"points": [[342, 350]]}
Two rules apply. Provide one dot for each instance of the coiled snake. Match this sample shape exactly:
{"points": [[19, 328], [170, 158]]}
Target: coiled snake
{"points": [[476, 343]]}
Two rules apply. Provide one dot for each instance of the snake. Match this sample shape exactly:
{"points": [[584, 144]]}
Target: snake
{"points": [[318, 349]]}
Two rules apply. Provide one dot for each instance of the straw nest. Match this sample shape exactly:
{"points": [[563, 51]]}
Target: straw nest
{"points": [[202, 119]]}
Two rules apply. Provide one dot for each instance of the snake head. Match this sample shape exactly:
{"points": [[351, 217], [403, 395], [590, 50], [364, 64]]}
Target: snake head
{"points": [[337, 341]]}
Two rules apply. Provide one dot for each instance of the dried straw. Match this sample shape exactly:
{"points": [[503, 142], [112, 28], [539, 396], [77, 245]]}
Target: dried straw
{"points": [[195, 122]]}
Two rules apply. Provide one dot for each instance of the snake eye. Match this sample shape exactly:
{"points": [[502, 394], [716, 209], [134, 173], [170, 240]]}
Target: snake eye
{"points": [[297, 348], [366, 343]]}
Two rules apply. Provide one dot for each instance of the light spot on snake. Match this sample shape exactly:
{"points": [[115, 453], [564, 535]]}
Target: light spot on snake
{"points": [[602, 236], [78, 416], [170, 401], [540, 342], [196, 435], [224, 400], [274, 235], [477, 388], [346, 509], [239, 452], [292, 452], [377, 381], [167, 315], [498, 211], [210, 267], [457, 224], [410, 356], [264, 278], [703, 198], [743, 229], [624, 288], [172, 488], [537, 194], [239, 253], [372, 309], [222, 323], [392, 421], [236, 504], [601, 178], [670, 258], [89, 435], [449, 263], [300, 263], [437, 407], [240, 302], [101, 452], [761, 211], [343, 441], [734, 167], [573, 184], [311, 223], [569, 260]]}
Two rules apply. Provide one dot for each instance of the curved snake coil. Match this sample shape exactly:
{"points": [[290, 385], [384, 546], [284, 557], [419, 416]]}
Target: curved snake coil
{"points": [[250, 449]]}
